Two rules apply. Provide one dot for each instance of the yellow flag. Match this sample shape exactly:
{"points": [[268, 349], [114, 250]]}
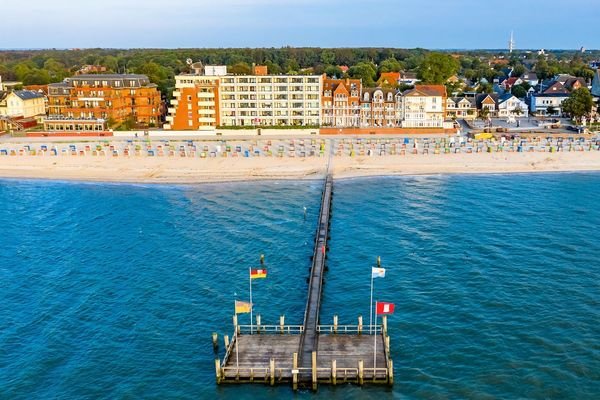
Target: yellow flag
{"points": [[242, 307]]}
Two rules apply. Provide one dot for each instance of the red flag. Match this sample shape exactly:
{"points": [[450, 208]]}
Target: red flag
{"points": [[384, 308]]}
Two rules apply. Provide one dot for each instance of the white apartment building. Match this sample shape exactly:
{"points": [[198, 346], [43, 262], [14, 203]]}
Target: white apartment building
{"points": [[423, 107], [270, 100]]}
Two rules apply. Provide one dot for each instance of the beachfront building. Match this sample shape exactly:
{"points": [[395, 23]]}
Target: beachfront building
{"points": [[380, 108], [204, 102], [547, 103], [115, 98], [461, 108], [195, 103], [270, 100], [341, 102], [487, 104], [424, 106], [22, 104], [511, 106]]}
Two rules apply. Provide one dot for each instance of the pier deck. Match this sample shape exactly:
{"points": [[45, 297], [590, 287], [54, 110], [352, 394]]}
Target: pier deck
{"points": [[311, 353]]}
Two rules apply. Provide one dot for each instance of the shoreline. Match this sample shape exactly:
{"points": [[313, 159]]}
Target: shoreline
{"points": [[181, 171]]}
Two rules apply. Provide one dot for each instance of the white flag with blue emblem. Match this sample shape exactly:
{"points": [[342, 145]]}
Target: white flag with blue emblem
{"points": [[377, 272]]}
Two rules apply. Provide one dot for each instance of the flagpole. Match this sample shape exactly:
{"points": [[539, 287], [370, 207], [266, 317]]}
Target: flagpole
{"points": [[237, 356], [375, 342], [251, 305], [371, 305]]}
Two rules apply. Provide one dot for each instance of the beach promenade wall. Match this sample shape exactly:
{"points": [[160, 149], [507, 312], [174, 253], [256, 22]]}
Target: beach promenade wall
{"points": [[385, 131]]}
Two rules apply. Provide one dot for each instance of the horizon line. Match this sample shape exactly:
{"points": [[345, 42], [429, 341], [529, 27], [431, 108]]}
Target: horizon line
{"points": [[295, 47]]}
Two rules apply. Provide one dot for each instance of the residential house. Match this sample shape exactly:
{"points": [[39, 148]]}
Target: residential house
{"points": [[510, 105], [508, 83], [91, 69], [531, 78], [380, 108], [556, 87], [389, 79], [22, 104], [408, 78], [461, 107], [340, 102], [488, 102], [541, 103], [424, 106]]}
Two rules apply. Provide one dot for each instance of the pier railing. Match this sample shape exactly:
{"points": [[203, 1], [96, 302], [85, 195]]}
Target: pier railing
{"points": [[270, 329]]}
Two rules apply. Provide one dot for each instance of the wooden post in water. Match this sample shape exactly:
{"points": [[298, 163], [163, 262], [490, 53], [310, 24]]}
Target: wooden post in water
{"points": [[314, 371], [215, 341], [360, 324], [295, 371], [387, 345], [333, 372], [390, 372], [226, 340], [218, 370], [258, 323], [361, 372], [272, 371], [281, 323], [335, 324]]}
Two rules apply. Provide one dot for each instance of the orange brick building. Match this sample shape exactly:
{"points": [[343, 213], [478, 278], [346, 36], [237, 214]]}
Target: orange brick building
{"points": [[195, 103], [340, 102], [109, 97]]}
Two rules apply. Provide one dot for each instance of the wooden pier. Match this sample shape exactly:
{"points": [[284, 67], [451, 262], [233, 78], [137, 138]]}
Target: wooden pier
{"points": [[309, 354]]}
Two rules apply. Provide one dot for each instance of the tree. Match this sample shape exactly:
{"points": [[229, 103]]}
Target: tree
{"points": [[328, 57], [240, 68], [390, 65], [518, 70], [436, 68], [519, 91], [365, 71], [578, 104], [332, 70]]}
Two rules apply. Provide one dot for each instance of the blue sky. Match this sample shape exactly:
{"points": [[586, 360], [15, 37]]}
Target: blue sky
{"points": [[550, 24]]}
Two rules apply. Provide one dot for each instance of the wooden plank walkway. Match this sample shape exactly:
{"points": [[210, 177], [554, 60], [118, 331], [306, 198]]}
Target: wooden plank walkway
{"points": [[309, 340]]}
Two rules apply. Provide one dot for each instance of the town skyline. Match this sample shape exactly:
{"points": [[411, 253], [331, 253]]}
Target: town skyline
{"points": [[297, 23]]}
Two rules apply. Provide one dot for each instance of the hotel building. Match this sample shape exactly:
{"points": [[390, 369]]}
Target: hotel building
{"points": [[101, 98]]}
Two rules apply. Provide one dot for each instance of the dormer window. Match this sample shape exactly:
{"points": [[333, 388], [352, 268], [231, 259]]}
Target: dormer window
{"points": [[366, 97]]}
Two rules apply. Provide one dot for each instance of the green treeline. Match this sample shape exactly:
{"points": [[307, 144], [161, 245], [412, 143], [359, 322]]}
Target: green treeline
{"points": [[161, 65]]}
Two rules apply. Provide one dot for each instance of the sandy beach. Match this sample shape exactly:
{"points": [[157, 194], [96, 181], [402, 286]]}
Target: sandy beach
{"points": [[177, 169]]}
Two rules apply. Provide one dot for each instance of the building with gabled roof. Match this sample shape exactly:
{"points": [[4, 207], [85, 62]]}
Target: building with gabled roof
{"points": [[340, 102], [380, 107], [424, 106], [389, 79], [22, 103], [461, 107]]}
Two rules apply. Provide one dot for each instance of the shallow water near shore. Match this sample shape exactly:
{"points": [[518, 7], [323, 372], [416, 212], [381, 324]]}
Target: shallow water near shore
{"points": [[113, 290]]}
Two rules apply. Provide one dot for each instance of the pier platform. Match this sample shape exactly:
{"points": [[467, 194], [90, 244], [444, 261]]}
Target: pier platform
{"points": [[308, 354], [272, 358]]}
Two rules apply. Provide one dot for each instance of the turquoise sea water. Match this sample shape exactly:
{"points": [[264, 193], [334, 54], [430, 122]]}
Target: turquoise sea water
{"points": [[112, 291]]}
